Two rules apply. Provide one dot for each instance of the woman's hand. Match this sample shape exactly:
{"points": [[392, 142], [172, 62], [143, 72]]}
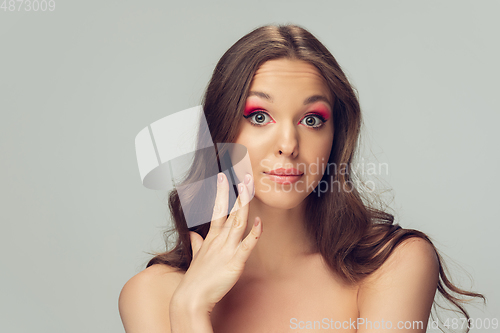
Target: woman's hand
{"points": [[218, 261]]}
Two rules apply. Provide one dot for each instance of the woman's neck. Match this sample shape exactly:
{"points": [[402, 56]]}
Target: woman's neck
{"points": [[283, 242]]}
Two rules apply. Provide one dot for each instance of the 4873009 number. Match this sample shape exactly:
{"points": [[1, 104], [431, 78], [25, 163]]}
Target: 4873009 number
{"points": [[28, 5], [472, 323]]}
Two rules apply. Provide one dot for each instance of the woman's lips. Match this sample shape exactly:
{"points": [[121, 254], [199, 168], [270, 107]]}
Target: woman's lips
{"points": [[284, 179]]}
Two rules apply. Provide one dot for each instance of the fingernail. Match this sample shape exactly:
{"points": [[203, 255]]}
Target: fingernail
{"points": [[256, 222], [240, 188], [247, 179], [219, 178]]}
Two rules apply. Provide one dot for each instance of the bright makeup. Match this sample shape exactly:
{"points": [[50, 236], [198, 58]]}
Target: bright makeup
{"points": [[251, 107], [322, 110], [319, 109]]}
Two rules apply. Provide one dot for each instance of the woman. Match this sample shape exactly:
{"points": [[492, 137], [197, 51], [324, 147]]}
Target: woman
{"points": [[327, 259]]}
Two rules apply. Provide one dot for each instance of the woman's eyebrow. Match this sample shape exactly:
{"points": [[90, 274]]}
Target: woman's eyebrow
{"points": [[317, 98], [309, 100], [261, 95]]}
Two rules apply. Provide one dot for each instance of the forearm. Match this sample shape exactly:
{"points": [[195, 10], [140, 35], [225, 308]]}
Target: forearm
{"points": [[186, 318]]}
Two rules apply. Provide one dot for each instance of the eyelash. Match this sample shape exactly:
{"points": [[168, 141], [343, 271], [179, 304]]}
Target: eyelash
{"points": [[320, 117]]}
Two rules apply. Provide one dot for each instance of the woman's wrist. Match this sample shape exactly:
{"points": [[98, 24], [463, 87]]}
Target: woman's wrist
{"points": [[187, 305], [188, 315], [186, 301]]}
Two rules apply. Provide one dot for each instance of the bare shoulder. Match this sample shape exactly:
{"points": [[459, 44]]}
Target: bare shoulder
{"points": [[403, 288], [416, 253], [413, 258], [144, 299]]}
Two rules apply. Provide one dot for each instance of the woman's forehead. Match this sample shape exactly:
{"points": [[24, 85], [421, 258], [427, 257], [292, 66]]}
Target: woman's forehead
{"points": [[290, 77], [287, 67]]}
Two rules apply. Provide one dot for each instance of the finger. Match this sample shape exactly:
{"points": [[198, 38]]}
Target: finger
{"points": [[196, 242], [248, 244], [251, 187], [242, 199], [238, 218], [219, 213]]}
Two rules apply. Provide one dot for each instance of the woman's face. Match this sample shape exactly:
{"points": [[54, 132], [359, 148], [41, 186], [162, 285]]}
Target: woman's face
{"points": [[287, 124]]}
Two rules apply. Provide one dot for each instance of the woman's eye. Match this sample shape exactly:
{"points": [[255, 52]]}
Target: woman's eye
{"points": [[261, 118], [314, 121], [258, 118]]}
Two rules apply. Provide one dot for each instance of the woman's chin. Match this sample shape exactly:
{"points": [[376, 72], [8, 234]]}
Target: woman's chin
{"points": [[280, 200]]}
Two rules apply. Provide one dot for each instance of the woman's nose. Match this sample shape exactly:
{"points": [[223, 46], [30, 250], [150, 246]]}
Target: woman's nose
{"points": [[287, 143]]}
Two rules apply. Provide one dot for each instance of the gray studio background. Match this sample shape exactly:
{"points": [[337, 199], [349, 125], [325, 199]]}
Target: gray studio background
{"points": [[77, 85]]}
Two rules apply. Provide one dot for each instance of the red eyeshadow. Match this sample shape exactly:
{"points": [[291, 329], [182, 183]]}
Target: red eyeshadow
{"points": [[319, 109], [322, 110], [250, 107]]}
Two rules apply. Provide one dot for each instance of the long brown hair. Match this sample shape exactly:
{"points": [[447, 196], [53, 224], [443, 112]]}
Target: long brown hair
{"points": [[354, 237]]}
